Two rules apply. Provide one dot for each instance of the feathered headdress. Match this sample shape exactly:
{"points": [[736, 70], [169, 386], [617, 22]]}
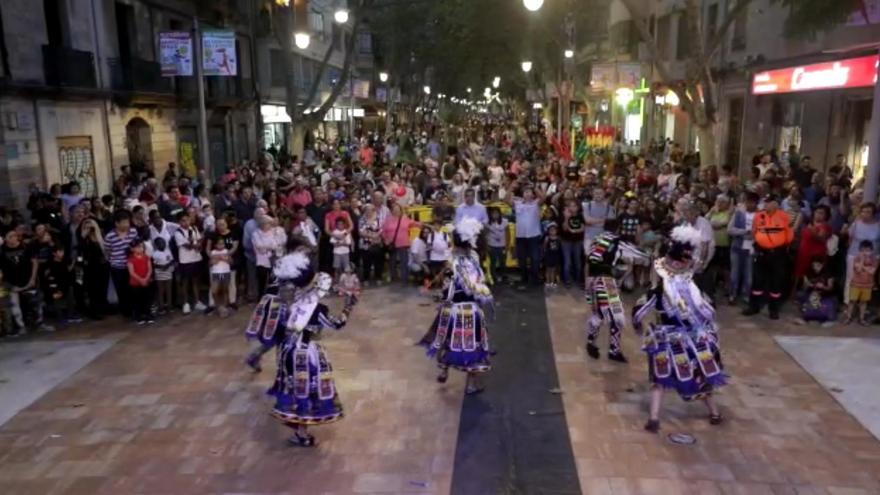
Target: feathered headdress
{"points": [[686, 234], [294, 268], [683, 240], [468, 230]]}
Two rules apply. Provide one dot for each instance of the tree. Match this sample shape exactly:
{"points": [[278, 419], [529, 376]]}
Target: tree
{"points": [[282, 17], [696, 87], [457, 44]]}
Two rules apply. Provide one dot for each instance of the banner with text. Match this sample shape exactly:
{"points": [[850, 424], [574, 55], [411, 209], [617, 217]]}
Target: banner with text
{"points": [[218, 52], [175, 52]]}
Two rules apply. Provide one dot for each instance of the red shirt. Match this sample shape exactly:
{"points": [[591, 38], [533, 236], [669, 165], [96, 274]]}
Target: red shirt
{"points": [[332, 216], [302, 198], [140, 264]]}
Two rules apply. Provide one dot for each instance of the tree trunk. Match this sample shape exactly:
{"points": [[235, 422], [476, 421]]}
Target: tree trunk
{"points": [[298, 132], [708, 148]]}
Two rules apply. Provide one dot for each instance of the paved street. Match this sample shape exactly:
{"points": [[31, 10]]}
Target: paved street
{"points": [[171, 409]]}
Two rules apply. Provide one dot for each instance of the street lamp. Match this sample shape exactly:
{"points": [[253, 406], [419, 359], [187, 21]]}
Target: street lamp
{"points": [[526, 66], [383, 76], [569, 53], [427, 90], [469, 90], [533, 5], [341, 16], [496, 82], [302, 40]]}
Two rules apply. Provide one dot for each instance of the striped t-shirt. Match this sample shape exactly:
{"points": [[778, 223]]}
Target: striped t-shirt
{"points": [[117, 247]]}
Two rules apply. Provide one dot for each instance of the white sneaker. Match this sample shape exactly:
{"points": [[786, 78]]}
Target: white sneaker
{"points": [[200, 307], [186, 309]]}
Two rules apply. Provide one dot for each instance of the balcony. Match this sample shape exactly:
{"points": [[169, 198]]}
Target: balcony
{"points": [[67, 67], [219, 90], [138, 76]]}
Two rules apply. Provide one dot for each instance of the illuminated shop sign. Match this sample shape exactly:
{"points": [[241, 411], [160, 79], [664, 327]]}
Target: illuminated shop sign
{"points": [[850, 73]]}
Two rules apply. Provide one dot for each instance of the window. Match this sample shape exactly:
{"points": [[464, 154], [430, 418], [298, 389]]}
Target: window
{"points": [[740, 28], [682, 44], [663, 35], [711, 20], [316, 23], [277, 74], [53, 12], [364, 43], [306, 73]]}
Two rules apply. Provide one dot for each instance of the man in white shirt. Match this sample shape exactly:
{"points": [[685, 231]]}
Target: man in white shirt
{"points": [[189, 247], [470, 208], [691, 216], [528, 233]]}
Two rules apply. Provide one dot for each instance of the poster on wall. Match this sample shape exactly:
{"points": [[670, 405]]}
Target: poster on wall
{"points": [[77, 163], [218, 52], [603, 76], [175, 52], [187, 154]]}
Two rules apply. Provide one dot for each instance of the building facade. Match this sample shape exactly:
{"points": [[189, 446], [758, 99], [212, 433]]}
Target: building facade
{"points": [[82, 91], [821, 121]]}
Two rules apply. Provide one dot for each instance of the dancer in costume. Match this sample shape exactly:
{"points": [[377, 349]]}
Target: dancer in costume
{"points": [[458, 337], [304, 389], [683, 352], [606, 252], [292, 273]]}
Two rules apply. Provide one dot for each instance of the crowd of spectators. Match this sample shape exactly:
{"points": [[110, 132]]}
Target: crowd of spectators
{"points": [[176, 242]]}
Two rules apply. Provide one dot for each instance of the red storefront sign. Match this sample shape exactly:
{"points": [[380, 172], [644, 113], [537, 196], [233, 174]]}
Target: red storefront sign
{"points": [[849, 73]]}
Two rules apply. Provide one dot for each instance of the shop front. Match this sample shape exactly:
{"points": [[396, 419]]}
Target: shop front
{"points": [[822, 108], [276, 126]]}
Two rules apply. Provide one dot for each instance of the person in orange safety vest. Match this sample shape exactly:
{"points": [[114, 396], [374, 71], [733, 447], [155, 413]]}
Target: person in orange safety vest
{"points": [[772, 235]]}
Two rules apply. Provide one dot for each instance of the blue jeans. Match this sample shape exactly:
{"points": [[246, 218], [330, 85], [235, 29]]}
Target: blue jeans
{"points": [[571, 258], [740, 272], [528, 257]]}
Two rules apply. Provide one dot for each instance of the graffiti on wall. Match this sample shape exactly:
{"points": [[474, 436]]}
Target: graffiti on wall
{"points": [[78, 163]]}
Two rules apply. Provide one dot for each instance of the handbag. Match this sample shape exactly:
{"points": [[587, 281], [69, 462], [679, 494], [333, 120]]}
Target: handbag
{"points": [[390, 247]]}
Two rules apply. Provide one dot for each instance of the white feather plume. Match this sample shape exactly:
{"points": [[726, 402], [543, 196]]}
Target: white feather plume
{"points": [[291, 265], [687, 234], [468, 229]]}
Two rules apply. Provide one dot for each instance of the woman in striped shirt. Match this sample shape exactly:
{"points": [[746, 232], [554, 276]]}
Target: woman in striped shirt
{"points": [[116, 244]]}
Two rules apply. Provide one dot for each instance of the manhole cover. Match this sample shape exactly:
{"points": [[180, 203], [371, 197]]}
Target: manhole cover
{"points": [[682, 439]]}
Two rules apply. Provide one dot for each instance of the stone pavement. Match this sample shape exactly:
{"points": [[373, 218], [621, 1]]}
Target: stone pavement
{"points": [[784, 434], [170, 409]]}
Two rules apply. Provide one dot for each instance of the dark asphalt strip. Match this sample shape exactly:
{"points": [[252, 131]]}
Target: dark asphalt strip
{"points": [[513, 437]]}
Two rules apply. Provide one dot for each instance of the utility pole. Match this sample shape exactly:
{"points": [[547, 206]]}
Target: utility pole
{"points": [[204, 156], [351, 105], [872, 174]]}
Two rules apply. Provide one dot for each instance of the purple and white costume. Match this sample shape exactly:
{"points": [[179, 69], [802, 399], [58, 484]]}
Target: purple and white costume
{"points": [[683, 346]]}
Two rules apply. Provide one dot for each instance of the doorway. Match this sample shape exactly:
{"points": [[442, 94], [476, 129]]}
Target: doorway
{"points": [[139, 139], [217, 149]]}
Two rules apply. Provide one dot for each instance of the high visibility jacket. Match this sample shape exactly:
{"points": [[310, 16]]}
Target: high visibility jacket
{"points": [[771, 231]]}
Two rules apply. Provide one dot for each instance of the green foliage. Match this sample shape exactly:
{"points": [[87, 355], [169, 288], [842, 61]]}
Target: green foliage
{"points": [[808, 17], [469, 42]]}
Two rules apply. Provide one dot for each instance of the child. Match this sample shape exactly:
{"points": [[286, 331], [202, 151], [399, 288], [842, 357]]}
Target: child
{"points": [[418, 255], [140, 273], [817, 301], [221, 270], [208, 220], [439, 249], [340, 238], [56, 279], [496, 238], [163, 273], [189, 254], [864, 267], [552, 256], [349, 285]]}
